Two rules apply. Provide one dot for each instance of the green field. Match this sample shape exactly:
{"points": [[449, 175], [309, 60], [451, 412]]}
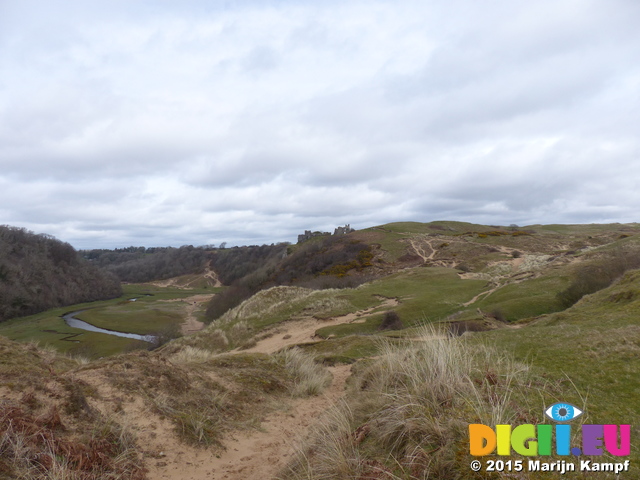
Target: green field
{"points": [[151, 313]]}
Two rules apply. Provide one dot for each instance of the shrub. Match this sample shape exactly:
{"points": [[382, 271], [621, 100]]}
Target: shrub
{"points": [[391, 321], [226, 300], [165, 335], [599, 274]]}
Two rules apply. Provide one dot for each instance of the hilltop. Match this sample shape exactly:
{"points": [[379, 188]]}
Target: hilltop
{"points": [[418, 328]]}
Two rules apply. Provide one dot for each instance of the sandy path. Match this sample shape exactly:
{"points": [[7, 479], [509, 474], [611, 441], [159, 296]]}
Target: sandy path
{"points": [[191, 305], [304, 331], [210, 274], [249, 455], [418, 248], [176, 282], [259, 455], [253, 455], [191, 324], [486, 293]]}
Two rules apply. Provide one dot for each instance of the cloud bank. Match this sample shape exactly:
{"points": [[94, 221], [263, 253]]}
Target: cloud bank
{"points": [[157, 123]]}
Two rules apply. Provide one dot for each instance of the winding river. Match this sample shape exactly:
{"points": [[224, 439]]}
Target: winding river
{"points": [[74, 322]]}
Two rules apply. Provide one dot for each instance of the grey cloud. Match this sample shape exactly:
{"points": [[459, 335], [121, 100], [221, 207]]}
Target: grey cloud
{"points": [[164, 123]]}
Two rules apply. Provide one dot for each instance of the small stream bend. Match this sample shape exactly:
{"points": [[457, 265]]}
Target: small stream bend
{"points": [[74, 322]]}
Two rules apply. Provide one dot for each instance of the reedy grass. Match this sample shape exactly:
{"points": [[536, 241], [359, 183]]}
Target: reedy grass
{"points": [[408, 414], [189, 354], [30, 451], [309, 378]]}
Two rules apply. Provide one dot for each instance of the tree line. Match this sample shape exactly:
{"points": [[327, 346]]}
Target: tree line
{"points": [[140, 264], [323, 262], [38, 272]]}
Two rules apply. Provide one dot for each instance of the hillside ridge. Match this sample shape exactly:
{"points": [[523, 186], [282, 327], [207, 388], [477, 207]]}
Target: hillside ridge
{"points": [[520, 314]]}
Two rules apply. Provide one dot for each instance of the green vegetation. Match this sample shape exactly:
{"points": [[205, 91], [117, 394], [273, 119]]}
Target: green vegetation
{"points": [[348, 349], [136, 318], [397, 420], [551, 316], [530, 298], [595, 345], [154, 312], [425, 294]]}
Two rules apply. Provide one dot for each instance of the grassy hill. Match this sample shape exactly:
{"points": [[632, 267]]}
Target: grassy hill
{"points": [[495, 324]]}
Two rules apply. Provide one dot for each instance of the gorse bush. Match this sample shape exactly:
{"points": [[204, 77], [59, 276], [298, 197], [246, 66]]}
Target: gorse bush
{"points": [[597, 274], [391, 321]]}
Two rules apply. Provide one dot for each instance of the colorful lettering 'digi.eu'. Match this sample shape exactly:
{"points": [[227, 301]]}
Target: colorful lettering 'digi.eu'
{"points": [[531, 440]]}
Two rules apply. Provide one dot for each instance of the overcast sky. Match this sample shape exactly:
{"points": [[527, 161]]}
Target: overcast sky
{"points": [[196, 122]]}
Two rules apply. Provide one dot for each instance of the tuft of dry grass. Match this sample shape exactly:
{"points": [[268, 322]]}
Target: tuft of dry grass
{"points": [[408, 414], [33, 448], [189, 354], [309, 378]]}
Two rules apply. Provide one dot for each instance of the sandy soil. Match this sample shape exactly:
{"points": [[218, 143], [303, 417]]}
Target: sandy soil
{"points": [[303, 331], [176, 282], [193, 303], [249, 455], [252, 455]]}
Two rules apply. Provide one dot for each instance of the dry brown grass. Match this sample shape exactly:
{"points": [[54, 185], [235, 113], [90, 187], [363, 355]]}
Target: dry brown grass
{"points": [[407, 416], [309, 378], [42, 448]]}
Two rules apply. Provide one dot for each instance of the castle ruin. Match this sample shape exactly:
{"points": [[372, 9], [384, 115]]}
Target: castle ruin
{"points": [[338, 231]]}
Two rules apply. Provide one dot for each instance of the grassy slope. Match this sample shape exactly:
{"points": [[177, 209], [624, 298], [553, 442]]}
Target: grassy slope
{"points": [[425, 294], [590, 353], [595, 343]]}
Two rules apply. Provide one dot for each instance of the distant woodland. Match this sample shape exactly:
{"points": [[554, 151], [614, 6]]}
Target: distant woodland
{"points": [[323, 262], [38, 272], [140, 264]]}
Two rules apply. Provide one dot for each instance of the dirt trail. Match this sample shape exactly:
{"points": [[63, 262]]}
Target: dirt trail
{"points": [[210, 274], [180, 281], [418, 248], [419, 243], [191, 305], [257, 455], [486, 293], [191, 324], [253, 455], [303, 331]]}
